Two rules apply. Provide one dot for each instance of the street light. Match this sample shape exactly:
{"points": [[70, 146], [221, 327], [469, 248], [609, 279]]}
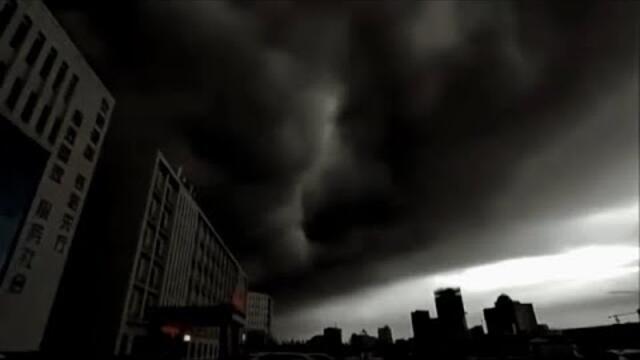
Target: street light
{"points": [[186, 338]]}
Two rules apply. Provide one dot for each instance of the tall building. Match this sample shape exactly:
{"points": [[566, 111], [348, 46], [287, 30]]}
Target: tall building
{"points": [[510, 317], [426, 333], [171, 278], [259, 312], [384, 335], [259, 320], [451, 313], [420, 322], [333, 337], [54, 114]]}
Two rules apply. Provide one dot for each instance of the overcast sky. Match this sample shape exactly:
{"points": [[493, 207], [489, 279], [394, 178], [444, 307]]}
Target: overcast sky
{"points": [[356, 156]]}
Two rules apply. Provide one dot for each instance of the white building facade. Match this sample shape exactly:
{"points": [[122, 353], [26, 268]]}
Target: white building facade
{"points": [[180, 262], [54, 114]]}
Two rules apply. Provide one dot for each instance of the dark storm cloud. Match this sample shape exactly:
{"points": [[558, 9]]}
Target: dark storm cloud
{"points": [[326, 138]]}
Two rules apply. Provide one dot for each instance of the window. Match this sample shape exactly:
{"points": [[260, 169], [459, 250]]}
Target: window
{"points": [[216, 252], [80, 182], [55, 130], [42, 120], [57, 172], [77, 118], [143, 269], [154, 210], [16, 90], [135, 303], [156, 275], [74, 202], [161, 247], [21, 32], [27, 111], [169, 195], [152, 301], [159, 182], [104, 106], [71, 135], [71, 89], [48, 63], [3, 72], [64, 153], [147, 241], [6, 14], [62, 72], [35, 50], [100, 121], [95, 136], [165, 221]]}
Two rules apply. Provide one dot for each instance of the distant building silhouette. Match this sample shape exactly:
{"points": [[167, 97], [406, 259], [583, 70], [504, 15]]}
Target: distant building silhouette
{"points": [[384, 335], [451, 314], [476, 332], [510, 317], [421, 323], [330, 342], [317, 343], [333, 338], [426, 333], [259, 312], [362, 342], [259, 319]]}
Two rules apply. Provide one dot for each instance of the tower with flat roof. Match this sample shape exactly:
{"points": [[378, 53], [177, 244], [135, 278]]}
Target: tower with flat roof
{"points": [[451, 313]]}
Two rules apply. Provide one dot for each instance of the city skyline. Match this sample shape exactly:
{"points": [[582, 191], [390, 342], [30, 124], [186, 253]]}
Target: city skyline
{"points": [[354, 156], [571, 312]]}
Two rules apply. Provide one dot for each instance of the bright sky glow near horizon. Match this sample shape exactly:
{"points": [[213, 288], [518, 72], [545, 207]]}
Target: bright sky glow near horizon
{"points": [[567, 288], [583, 264]]}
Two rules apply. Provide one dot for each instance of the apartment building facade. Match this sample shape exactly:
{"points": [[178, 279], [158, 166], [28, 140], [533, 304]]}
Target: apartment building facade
{"points": [[54, 115], [181, 263], [259, 312]]}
